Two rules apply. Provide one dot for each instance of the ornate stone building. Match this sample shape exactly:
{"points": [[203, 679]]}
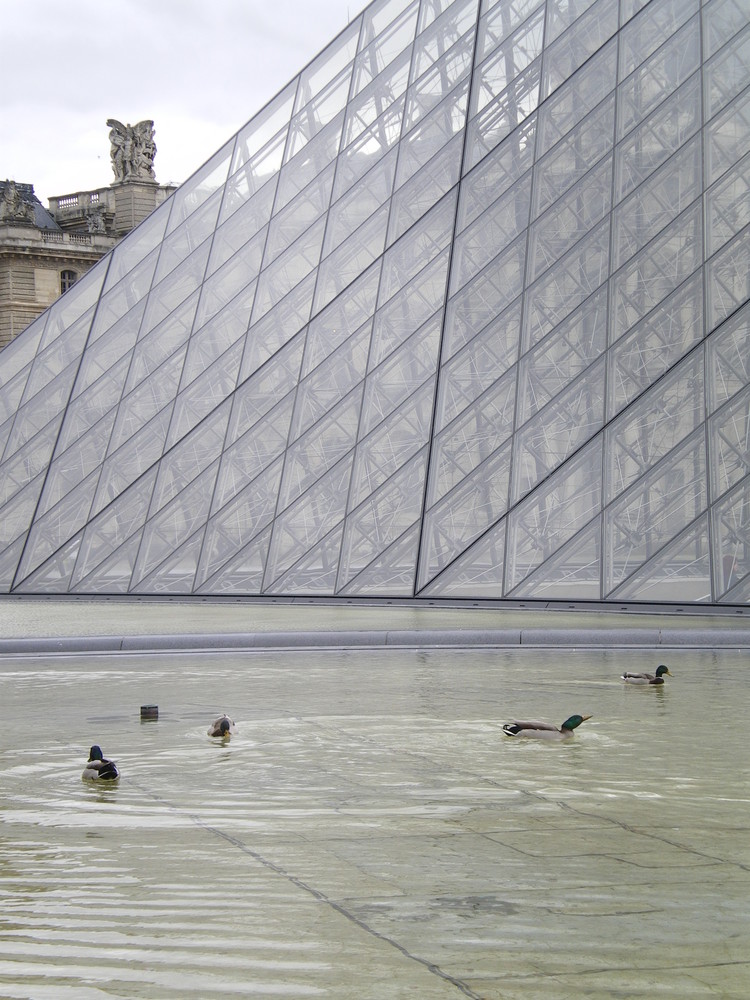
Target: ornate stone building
{"points": [[44, 251]]}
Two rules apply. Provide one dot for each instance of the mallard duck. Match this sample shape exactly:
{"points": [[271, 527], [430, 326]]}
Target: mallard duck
{"points": [[98, 768], [222, 727], [657, 678], [545, 730]]}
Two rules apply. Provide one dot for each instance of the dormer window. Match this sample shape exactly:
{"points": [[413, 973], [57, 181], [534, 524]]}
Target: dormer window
{"points": [[67, 280]]}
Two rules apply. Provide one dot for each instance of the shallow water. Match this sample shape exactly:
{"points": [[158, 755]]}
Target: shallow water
{"points": [[369, 833]]}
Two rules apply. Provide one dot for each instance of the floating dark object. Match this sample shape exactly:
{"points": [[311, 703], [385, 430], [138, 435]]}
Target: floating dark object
{"points": [[149, 712]]}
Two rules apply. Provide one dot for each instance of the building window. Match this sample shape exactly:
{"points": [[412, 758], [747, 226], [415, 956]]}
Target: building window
{"points": [[67, 280]]}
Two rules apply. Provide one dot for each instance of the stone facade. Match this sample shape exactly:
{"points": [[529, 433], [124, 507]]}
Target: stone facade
{"points": [[43, 251]]}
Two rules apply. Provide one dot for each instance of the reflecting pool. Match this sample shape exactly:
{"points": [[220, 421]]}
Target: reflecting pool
{"points": [[369, 833]]}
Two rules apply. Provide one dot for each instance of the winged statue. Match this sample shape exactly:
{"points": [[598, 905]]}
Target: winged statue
{"points": [[132, 149]]}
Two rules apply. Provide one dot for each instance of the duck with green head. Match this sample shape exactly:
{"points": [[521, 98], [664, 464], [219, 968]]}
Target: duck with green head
{"points": [[545, 730], [657, 678]]}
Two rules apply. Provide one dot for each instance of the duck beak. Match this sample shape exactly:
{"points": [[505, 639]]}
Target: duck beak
{"points": [[584, 717]]}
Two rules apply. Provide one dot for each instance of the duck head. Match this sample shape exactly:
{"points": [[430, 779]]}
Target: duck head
{"points": [[573, 722], [661, 669]]}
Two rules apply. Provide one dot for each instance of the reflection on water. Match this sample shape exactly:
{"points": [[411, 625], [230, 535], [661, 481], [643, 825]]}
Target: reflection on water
{"points": [[370, 833]]}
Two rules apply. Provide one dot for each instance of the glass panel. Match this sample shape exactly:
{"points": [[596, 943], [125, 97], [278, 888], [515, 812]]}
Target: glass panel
{"points": [[562, 356], [561, 14], [381, 94], [456, 24], [130, 253], [655, 344], [53, 576], [334, 60], [359, 203], [391, 574], [658, 270], [391, 445], [472, 438], [315, 572], [680, 572], [553, 434], [333, 325], [176, 575], [730, 523], [558, 292], [655, 424], [189, 458], [553, 513], [204, 394], [500, 21], [467, 511], [478, 573], [507, 61], [239, 522], [574, 155], [49, 532], [570, 219], [307, 164], [728, 359], [496, 173], [573, 573], [585, 37], [254, 139], [728, 206], [244, 573], [174, 524], [417, 248], [331, 381], [478, 365], [485, 296], [365, 152], [727, 138], [728, 279], [503, 115], [729, 443], [308, 459], [490, 234], [663, 132], [401, 374], [395, 38], [657, 202], [264, 442], [433, 133], [181, 243], [288, 270], [254, 398], [725, 75], [383, 518], [124, 466], [651, 28], [655, 510], [577, 97], [424, 189], [277, 327], [722, 21], [171, 337], [113, 527], [195, 191], [658, 77], [293, 220], [307, 521], [408, 310], [349, 260], [71, 467]]}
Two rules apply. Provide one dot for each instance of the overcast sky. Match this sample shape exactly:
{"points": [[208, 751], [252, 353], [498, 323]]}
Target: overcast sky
{"points": [[199, 68]]}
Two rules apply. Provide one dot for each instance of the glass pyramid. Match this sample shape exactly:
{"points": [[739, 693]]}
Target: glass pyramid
{"points": [[462, 313]]}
